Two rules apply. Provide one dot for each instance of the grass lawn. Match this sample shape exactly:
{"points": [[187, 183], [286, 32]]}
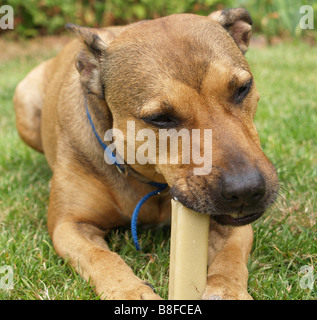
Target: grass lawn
{"points": [[285, 238]]}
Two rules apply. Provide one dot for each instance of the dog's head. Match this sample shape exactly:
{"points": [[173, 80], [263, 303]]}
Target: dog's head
{"points": [[176, 75]]}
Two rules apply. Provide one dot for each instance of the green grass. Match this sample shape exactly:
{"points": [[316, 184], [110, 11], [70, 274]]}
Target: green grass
{"points": [[285, 238]]}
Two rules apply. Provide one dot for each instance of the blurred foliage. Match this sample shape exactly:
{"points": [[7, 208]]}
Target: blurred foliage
{"points": [[42, 17]]}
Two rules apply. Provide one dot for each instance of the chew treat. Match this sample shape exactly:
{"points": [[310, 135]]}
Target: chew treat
{"points": [[189, 250]]}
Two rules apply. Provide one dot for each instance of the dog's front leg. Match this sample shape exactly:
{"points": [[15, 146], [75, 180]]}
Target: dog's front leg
{"points": [[228, 252], [83, 246], [78, 237]]}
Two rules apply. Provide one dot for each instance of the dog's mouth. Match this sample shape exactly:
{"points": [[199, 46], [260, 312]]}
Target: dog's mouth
{"points": [[239, 218], [236, 220]]}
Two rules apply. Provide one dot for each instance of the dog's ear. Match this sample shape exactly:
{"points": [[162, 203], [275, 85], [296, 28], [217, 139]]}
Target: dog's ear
{"points": [[238, 23], [88, 59]]}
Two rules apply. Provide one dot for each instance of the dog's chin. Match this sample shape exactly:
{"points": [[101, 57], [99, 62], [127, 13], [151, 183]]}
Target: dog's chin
{"points": [[236, 219]]}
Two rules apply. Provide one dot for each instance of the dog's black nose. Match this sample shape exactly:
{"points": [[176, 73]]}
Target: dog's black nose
{"points": [[246, 188]]}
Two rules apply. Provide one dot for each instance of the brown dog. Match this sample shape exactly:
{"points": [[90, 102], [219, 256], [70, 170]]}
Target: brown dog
{"points": [[181, 71]]}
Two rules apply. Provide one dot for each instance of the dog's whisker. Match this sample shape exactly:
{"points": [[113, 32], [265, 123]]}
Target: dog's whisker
{"points": [[283, 189], [281, 163], [280, 160], [282, 196]]}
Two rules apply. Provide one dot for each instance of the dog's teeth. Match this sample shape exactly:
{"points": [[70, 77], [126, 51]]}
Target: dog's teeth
{"points": [[175, 199]]}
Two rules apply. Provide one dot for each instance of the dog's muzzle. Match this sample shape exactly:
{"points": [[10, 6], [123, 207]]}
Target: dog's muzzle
{"points": [[235, 199]]}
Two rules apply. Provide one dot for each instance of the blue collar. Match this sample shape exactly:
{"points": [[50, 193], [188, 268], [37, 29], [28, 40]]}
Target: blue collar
{"points": [[122, 169]]}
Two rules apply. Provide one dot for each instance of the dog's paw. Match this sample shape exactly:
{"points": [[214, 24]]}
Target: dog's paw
{"points": [[221, 288], [137, 291], [150, 295]]}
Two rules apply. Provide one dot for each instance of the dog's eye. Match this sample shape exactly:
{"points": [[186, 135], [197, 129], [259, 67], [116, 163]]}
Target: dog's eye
{"points": [[242, 92], [162, 121]]}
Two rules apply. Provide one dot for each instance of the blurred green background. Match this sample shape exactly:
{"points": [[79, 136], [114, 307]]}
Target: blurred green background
{"points": [[44, 17]]}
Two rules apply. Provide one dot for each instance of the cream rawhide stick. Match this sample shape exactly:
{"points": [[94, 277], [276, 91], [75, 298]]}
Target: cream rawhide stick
{"points": [[188, 255]]}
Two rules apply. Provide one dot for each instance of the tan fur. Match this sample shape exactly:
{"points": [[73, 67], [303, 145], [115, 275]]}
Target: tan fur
{"points": [[185, 63]]}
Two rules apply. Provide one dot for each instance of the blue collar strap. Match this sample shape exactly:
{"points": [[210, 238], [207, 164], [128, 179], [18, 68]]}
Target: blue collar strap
{"points": [[122, 169], [109, 153], [137, 209]]}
